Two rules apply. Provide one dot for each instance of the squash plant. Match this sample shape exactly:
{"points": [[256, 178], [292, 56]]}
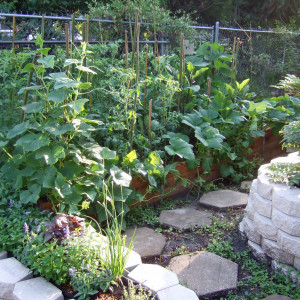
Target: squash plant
{"points": [[52, 153]]}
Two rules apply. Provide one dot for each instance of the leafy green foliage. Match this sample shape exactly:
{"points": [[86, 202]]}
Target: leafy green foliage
{"points": [[286, 173]]}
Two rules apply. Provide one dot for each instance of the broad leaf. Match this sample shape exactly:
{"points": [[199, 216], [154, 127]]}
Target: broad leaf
{"points": [[182, 136], [31, 195], [32, 142], [181, 148], [50, 154], [77, 105], [34, 107], [85, 69], [62, 187], [58, 96], [120, 177], [47, 61], [209, 137], [18, 129]]}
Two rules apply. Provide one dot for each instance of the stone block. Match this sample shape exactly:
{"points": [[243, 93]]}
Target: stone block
{"points": [[286, 270], [297, 263], [265, 227], [264, 186], [205, 273], [224, 199], [250, 231], [263, 169], [185, 218], [36, 289], [242, 227], [250, 208], [287, 223], [133, 261], [289, 243], [3, 254], [261, 205], [11, 272], [154, 277], [177, 292], [146, 241], [273, 250], [257, 251], [286, 199], [290, 159]]}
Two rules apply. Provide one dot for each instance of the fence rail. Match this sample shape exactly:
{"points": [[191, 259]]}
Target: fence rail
{"points": [[264, 55]]}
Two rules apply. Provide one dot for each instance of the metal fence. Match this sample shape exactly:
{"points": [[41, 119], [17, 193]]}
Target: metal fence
{"points": [[264, 56]]}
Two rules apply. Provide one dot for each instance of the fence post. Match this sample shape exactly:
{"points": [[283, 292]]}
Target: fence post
{"points": [[217, 32]]}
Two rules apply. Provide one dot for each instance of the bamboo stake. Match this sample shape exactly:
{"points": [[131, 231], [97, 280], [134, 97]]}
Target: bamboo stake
{"points": [[43, 27], [72, 34], [67, 43], [149, 122], [14, 36], [157, 54], [146, 71], [87, 29], [83, 31], [101, 31], [183, 67], [134, 36], [126, 47], [137, 80], [208, 86], [180, 71], [233, 61]]}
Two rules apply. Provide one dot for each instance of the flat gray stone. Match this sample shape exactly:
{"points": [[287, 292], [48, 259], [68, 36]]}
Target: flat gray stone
{"points": [[184, 218], [285, 222], [177, 292], [265, 227], [287, 199], [36, 289], [246, 185], [205, 273], [133, 261], [273, 250], [289, 243], [277, 297], [223, 199], [146, 241], [257, 251], [250, 231], [3, 254], [154, 277], [11, 272]]}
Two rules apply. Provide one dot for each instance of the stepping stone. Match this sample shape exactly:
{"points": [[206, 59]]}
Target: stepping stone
{"points": [[11, 272], [177, 292], [146, 241], [246, 185], [3, 254], [184, 218], [154, 277], [36, 289], [223, 199], [277, 297], [205, 273], [133, 261]]}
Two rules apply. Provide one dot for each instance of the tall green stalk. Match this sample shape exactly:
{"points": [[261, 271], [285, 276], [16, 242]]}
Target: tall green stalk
{"points": [[146, 71], [126, 48]]}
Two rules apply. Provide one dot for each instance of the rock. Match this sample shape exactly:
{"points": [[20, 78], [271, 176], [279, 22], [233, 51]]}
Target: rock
{"points": [[250, 231], [205, 273], [264, 186], [277, 297], [265, 227], [242, 227], [11, 272], [154, 277], [261, 205], [177, 292], [223, 199], [246, 185], [133, 261], [146, 241], [250, 208], [36, 289], [290, 159], [285, 222], [257, 251], [297, 263], [184, 218], [289, 243], [272, 249], [287, 199], [286, 270], [3, 254]]}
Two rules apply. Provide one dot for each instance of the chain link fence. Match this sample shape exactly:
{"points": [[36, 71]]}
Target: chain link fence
{"points": [[263, 56]]}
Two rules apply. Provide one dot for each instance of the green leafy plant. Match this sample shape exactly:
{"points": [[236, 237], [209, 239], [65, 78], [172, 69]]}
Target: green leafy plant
{"points": [[286, 173], [291, 136]]}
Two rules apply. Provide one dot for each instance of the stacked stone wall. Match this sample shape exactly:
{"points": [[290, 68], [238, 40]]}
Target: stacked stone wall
{"points": [[272, 218]]}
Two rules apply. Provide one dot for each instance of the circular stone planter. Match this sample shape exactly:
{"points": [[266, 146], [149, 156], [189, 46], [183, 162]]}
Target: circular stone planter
{"points": [[272, 218]]}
